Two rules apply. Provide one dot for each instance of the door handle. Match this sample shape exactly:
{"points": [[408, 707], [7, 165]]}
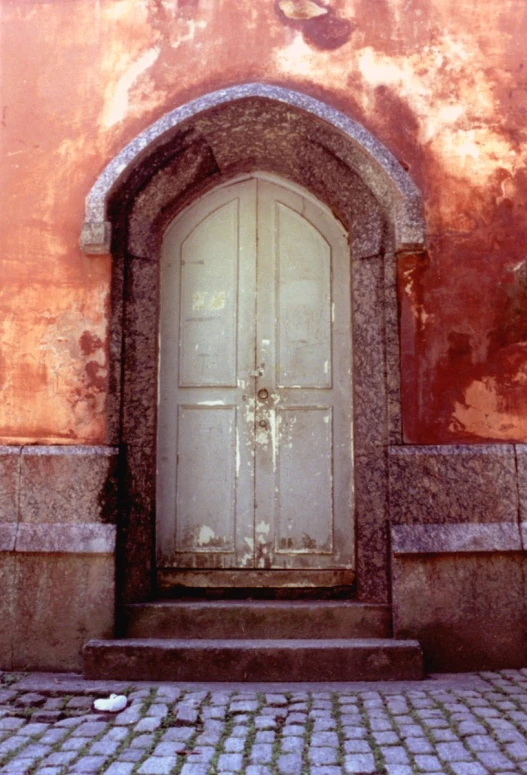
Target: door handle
{"points": [[263, 394]]}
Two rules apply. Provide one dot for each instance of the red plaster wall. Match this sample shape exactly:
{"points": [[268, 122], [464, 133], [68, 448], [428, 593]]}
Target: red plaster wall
{"points": [[442, 84]]}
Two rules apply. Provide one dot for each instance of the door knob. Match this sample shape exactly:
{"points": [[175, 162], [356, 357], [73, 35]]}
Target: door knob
{"points": [[262, 424], [263, 394]]}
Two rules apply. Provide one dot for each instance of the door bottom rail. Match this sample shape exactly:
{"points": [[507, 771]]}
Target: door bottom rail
{"points": [[169, 579]]}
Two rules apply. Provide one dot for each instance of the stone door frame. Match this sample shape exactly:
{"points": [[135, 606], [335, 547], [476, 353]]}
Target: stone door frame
{"points": [[253, 127]]}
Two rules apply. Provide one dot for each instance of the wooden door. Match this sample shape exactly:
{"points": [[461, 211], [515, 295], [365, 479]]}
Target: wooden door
{"points": [[254, 441]]}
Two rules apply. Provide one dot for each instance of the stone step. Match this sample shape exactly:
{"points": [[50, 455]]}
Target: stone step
{"points": [[276, 619], [338, 659]]}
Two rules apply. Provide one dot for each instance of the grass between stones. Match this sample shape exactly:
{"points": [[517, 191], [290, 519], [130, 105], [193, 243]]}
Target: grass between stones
{"points": [[251, 732], [229, 724], [279, 734], [167, 722], [376, 750], [335, 713], [308, 733]]}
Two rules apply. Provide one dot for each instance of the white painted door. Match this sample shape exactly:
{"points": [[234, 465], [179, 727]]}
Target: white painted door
{"points": [[254, 441]]}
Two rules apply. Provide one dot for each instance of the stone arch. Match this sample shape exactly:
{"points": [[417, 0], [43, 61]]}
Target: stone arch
{"points": [[195, 148], [346, 139]]}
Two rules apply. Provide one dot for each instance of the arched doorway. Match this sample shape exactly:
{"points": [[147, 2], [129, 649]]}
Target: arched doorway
{"points": [[255, 418], [195, 149]]}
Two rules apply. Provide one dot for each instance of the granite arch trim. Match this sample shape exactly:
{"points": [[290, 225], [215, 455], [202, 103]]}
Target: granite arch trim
{"points": [[370, 160]]}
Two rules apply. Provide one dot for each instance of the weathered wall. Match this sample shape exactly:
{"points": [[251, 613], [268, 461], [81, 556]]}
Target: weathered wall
{"points": [[441, 84], [58, 509], [459, 544]]}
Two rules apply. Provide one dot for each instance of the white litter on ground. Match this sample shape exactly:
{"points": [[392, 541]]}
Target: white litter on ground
{"points": [[114, 703]]}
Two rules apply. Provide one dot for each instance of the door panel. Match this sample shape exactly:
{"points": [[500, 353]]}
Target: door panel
{"points": [[206, 486], [303, 287], [304, 480], [254, 449], [209, 300]]}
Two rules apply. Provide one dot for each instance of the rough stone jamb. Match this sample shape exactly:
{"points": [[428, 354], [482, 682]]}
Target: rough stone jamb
{"points": [[375, 160]]}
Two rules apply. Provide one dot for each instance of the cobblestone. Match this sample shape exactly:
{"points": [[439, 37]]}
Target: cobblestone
{"points": [[261, 753], [157, 765], [89, 764], [118, 768], [290, 764], [230, 762], [148, 724], [463, 725], [292, 745], [359, 764]]}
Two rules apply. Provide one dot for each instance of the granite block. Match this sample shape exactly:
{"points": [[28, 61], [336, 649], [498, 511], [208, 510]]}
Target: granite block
{"points": [[95, 237], [140, 354], [369, 387], [521, 462], [9, 483], [60, 602], [453, 484], [8, 532], [523, 534], [82, 538], [367, 231], [7, 610], [68, 484], [369, 384], [371, 512], [467, 610], [467, 537], [137, 535], [392, 346]]}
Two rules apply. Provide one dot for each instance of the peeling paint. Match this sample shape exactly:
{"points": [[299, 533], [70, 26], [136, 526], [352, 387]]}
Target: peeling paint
{"points": [[482, 412], [206, 535], [302, 9], [117, 108]]}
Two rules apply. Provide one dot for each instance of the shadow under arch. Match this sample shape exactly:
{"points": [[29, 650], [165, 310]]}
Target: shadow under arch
{"points": [[194, 148]]}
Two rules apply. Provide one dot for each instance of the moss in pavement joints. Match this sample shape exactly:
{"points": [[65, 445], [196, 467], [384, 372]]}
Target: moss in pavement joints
{"points": [[308, 732], [229, 724]]}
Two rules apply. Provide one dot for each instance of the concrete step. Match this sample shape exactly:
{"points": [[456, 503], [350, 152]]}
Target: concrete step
{"points": [[338, 659], [276, 619]]}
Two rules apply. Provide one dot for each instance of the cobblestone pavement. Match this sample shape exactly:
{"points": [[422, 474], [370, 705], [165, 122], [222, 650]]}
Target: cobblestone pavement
{"points": [[459, 725]]}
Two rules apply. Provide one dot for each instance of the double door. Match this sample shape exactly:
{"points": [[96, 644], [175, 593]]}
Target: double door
{"points": [[254, 416]]}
